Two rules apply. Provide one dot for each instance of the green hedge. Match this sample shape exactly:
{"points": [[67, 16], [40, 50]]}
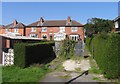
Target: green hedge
{"points": [[26, 54], [107, 53]]}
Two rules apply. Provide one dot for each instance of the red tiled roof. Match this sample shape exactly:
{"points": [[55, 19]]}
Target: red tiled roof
{"points": [[19, 25], [2, 26], [56, 23]]}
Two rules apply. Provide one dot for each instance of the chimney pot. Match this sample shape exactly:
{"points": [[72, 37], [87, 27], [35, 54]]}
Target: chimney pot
{"points": [[15, 22], [68, 19]]}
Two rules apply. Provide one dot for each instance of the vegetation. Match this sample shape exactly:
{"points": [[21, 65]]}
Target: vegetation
{"points": [[17, 74], [94, 68], [67, 49], [98, 25], [26, 54], [105, 49]]}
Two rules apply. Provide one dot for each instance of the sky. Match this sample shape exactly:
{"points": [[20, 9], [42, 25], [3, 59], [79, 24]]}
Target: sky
{"points": [[29, 12]]}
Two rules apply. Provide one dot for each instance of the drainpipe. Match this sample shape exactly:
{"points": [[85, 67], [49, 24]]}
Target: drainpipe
{"points": [[24, 32]]}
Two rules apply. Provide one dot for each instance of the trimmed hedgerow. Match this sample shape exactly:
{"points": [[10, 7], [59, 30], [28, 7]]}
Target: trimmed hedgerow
{"points": [[31, 53], [19, 54], [107, 53]]}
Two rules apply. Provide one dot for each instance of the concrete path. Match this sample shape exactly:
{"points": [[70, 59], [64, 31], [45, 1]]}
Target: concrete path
{"points": [[70, 73], [60, 77], [55, 77]]}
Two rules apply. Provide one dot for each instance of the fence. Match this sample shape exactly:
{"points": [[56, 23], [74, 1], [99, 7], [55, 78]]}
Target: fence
{"points": [[78, 50], [8, 57]]}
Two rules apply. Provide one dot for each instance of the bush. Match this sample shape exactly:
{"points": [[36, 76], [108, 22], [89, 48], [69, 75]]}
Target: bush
{"points": [[31, 53], [67, 48], [19, 54], [106, 53]]}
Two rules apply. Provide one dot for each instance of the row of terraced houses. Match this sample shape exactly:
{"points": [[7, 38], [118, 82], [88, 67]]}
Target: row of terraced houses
{"points": [[49, 29], [56, 30]]}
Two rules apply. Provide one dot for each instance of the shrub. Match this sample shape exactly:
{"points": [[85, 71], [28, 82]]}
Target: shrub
{"points": [[67, 48], [31, 53], [106, 53], [19, 54]]}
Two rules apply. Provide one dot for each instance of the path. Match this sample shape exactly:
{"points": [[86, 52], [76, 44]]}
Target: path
{"points": [[70, 72]]}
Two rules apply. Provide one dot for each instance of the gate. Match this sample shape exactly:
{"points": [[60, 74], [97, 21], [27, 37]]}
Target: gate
{"points": [[79, 48]]}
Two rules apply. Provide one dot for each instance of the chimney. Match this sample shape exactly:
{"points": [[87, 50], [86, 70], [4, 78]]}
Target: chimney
{"points": [[68, 20], [41, 20], [15, 22]]}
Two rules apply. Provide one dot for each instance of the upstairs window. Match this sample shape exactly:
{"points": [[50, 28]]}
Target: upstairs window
{"points": [[74, 29], [116, 24], [44, 29], [62, 29], [33, 29], [15, 30], [7, 30]]}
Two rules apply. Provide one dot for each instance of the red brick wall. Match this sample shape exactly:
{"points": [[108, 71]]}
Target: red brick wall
{"points": [[2, 31], [53, 30], [80, 31], [40, 33]]}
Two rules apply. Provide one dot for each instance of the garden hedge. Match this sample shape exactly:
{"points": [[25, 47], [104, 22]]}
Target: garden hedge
{"points": [[26, 54], [106, 53]]}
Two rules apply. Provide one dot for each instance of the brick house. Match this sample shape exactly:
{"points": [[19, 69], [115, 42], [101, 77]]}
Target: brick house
{"points": [[2, 29], [55, 29], [49, 29], [14, 28]]}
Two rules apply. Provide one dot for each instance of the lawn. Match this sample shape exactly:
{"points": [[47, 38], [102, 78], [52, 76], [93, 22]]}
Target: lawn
{"points": [[17, 74]]}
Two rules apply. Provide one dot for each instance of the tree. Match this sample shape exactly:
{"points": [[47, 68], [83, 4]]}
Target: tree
{"points": [[98, 25]]}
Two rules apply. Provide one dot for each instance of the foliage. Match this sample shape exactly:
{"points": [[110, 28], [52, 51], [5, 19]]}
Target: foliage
{"points": [[30, 53], [106, 53], [67, 48], [17, 74], [98, 25]]}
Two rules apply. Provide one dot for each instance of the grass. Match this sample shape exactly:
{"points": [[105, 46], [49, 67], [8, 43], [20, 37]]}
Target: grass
{"points": [[96, 78], [0, 74], [17, 74], [78, 70], [65, 77], [57, 64], [77, 58], [94, 68]]}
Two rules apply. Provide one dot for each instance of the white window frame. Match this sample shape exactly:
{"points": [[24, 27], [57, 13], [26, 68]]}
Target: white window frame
{"points": [[16, 30], [75, 29], [33, 29], [33, 35], [7, 29], [44, 28], [62, 29], [116, 24]]}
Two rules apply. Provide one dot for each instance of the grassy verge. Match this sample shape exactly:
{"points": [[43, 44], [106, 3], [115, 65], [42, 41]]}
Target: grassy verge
{"points": [[56, 64], [94, 68], [17, 74], [0, 74]]}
